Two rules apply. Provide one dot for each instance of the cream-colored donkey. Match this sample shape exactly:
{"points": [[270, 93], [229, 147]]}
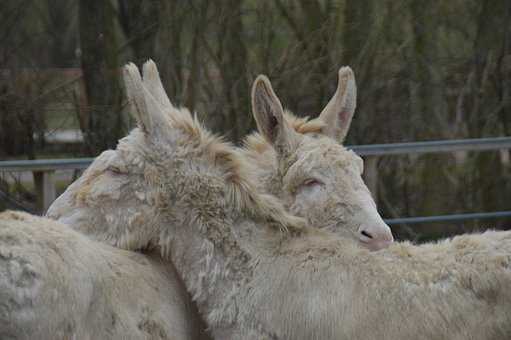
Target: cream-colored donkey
{"points": [[113, 192], [257, 272], [110, 195], [56, 284]]}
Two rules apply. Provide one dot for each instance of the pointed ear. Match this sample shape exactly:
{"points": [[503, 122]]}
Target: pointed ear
{"points": [[135, 95], [269, 115], [339, 111], [146, 109], [153, 84]]}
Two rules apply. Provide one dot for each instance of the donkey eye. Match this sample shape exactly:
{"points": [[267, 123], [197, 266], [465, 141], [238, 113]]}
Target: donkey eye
{"points": [[115, 170], [311, 182], [308, 186]]}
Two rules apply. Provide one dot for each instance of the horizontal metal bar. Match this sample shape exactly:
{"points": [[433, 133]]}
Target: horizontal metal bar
{"points": [[46, 164], [479, 144], [448, 218], [383, 149]]}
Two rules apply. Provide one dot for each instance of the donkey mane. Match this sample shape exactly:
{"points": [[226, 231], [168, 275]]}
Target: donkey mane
{"points": [[242, 193]]}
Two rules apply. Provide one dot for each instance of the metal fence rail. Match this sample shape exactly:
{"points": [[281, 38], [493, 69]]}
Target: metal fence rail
{"points": [[448, 218], [479, 144], [44, 165], [49, 166]]}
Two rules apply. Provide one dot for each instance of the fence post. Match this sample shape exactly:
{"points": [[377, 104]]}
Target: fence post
{"points": [[49, 190], [371, 175]]}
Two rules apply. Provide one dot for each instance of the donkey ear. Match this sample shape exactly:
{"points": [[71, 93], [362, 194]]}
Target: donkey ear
{"points": [[339, 111], [146, 109], [135, 95], [153, 84], [269, 115]]}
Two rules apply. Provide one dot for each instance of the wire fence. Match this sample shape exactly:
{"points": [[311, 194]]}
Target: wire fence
{"points": [[49, 166]]}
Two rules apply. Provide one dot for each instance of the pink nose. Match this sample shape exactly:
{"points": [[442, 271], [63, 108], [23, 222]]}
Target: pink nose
{"points": [[375, 237]]}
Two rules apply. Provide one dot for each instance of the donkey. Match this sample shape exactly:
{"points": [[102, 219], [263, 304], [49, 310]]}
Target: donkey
{"points": [[255, 271], [111, 193], [326, 195], [56, 283]]}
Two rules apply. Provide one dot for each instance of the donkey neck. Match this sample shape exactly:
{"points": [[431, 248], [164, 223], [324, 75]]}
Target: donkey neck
{"points": [[199, 238]]}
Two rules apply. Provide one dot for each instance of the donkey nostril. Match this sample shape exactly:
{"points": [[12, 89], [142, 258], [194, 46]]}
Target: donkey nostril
{"points": [[366, 234]]}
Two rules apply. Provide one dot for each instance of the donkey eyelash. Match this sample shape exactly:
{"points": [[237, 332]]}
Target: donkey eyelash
{"points": [[308, 183], [311, 182], [115, 170]]}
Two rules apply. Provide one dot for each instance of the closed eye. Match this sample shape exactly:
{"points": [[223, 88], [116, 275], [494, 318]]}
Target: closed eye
{"points": [[115, 170], [311, 182]]}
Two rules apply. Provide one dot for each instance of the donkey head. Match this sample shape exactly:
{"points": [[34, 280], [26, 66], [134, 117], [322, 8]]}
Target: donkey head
{"points": [[165, 173], [118, 199], [314, 175]]}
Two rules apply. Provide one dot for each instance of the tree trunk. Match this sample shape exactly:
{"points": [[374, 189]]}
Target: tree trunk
{"points": [[101, 74], [489, 101], [140, 21]]}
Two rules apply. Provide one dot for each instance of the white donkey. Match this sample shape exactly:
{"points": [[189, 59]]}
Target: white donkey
{"points": [[331, 196], [249, 279], [101, 198], [257, 272], [57, 284], [112, 193]]}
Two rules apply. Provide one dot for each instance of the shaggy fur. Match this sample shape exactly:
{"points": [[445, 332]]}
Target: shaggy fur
{"points": [[299, 161], [58, 284], [112, 195], [111, 203], [312, 286], [250, 280]]}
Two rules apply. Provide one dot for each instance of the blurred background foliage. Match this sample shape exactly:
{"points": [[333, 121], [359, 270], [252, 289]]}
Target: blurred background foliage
{"points": [[425, 71]]}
